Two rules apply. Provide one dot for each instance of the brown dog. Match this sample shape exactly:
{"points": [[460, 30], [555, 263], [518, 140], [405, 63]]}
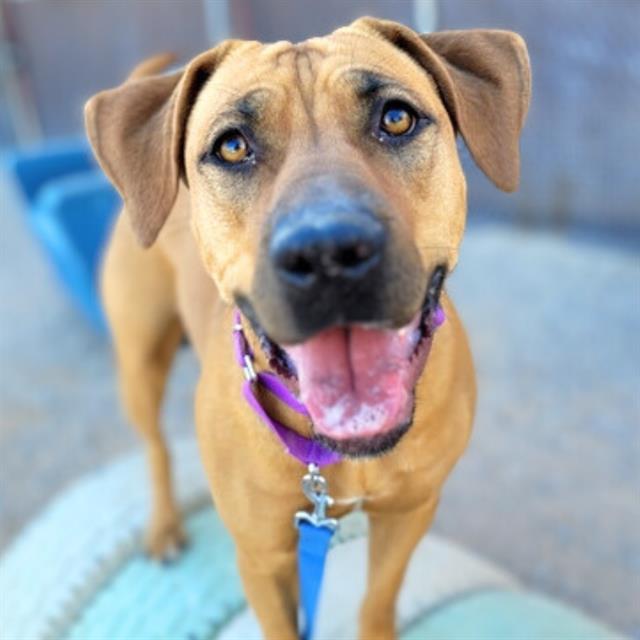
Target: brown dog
{"points": [[318, 187]]}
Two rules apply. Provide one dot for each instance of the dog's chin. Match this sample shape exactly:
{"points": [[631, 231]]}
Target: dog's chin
{"points": [[367, 447]]}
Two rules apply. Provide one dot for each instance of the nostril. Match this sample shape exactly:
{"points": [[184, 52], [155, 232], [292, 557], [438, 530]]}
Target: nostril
{"points": [[296, 267], [297, 263], [352, 256], [349, 260]]}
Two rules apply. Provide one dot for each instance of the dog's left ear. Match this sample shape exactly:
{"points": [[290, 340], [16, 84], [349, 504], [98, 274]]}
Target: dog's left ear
{"points": [[484, 80]]}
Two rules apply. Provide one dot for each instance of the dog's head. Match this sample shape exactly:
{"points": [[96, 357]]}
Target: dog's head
{"points": [[327, 196]]}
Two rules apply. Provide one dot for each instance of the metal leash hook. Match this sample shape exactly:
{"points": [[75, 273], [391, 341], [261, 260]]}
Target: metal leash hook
{"points": [[314, 486]]}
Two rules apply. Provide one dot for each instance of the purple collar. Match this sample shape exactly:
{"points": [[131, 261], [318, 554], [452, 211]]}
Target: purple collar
{"points": [[303, 449], [306, 450]]}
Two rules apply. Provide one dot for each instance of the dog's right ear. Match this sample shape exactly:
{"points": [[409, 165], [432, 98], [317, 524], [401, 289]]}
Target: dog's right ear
{"points": [[137, 133]]}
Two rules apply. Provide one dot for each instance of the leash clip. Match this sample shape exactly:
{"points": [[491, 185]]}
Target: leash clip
{"points": [[314, 486]]}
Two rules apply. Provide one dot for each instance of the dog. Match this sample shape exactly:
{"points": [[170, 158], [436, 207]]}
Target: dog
{"points": [[316, 187]]}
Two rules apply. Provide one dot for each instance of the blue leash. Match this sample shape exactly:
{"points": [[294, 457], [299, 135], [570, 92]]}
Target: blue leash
{"points": [[315, 531], [312, 552]]}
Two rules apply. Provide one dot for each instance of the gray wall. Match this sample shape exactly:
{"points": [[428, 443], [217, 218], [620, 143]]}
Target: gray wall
{"points": [[581, 145], [70, 49], [297, 20]]}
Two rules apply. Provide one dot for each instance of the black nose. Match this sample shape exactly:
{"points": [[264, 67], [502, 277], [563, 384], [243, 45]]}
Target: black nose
{"points": [[308, 249]]}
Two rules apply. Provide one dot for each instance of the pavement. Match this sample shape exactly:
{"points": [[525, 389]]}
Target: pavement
{"points": [[548, 489]]}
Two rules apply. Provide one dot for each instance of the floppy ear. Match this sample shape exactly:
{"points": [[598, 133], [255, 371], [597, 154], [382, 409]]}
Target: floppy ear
{"points": [[484, 80], [137, 133]]}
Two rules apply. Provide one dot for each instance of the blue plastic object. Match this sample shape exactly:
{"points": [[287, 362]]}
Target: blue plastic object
{"points": [[70, 208], [72, 217], [35, 166]]}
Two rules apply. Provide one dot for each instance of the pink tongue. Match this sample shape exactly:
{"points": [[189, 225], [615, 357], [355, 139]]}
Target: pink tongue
{"points": [[356, 382]]}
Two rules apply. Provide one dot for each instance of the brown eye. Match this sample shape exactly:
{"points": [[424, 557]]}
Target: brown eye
{"points": [[397, 120], [233, 148]]}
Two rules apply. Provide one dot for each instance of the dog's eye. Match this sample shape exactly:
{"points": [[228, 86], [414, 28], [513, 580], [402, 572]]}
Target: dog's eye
{"points": [[398, 119], [232, 148]]}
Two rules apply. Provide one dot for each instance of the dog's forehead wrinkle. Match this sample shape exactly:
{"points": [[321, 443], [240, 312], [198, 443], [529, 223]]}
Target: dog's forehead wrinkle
{"points": [[306, 76], [248, 106], [279, 51], [368, 82]]}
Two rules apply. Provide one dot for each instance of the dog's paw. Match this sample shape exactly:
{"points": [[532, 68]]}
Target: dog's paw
{"points": [[165, 539]]}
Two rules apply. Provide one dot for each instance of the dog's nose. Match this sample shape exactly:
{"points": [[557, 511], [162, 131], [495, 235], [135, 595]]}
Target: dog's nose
{"points": [[330, 247]]}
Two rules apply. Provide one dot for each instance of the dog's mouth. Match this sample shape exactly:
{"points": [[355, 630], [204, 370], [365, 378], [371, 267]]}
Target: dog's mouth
{"points": [[358, 382]]}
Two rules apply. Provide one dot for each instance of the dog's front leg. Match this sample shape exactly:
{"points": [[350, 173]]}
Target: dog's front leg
{"points": [[261, 524], [270, 580], [256, 491], [392, 538], [265, 539]]}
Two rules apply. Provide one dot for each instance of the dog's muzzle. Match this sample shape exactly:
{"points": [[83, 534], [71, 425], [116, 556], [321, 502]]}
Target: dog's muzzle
{"points": [[334, 256]]}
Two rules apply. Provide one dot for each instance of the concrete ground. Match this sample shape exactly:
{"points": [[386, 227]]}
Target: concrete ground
{"points": [[549, 486]]}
